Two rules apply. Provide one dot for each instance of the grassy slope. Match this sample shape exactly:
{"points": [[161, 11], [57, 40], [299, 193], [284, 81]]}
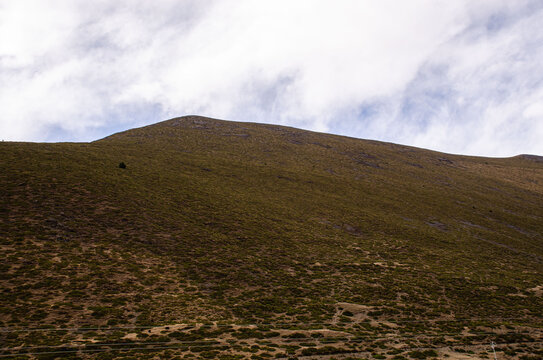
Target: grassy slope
{"points": [[248, 223]]}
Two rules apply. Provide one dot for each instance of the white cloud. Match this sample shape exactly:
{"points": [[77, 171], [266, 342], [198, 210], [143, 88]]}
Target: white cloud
{"points": [[534, 110], [412, 72], [476, 94]]}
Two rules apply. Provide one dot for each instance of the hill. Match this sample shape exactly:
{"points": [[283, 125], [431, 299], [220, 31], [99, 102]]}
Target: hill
{"points": [[237, 240]]}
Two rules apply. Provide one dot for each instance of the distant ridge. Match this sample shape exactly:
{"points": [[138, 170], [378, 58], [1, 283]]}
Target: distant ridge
{"points": [[536, 158]]}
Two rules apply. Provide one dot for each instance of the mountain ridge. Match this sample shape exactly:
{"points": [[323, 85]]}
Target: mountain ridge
{"points": [[242, 223], [203, 119]]}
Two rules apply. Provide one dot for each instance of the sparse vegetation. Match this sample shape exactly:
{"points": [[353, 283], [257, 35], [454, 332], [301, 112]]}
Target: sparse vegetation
{"points": [[261, 241]]}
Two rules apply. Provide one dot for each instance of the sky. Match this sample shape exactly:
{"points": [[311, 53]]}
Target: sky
{"points": [[460, 76]]}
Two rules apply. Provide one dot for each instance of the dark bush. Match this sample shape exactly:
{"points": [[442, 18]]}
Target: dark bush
{"points": [[417, 354]]}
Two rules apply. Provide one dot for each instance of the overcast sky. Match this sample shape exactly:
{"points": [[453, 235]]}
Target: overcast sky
{"points": [[457, 76]]}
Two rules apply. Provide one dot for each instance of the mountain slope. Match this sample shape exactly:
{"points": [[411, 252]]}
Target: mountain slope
{"points": [[239, 223]]}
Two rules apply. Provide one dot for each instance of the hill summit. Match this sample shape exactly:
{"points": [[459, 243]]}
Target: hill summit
{"points": [[220, 239]]}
